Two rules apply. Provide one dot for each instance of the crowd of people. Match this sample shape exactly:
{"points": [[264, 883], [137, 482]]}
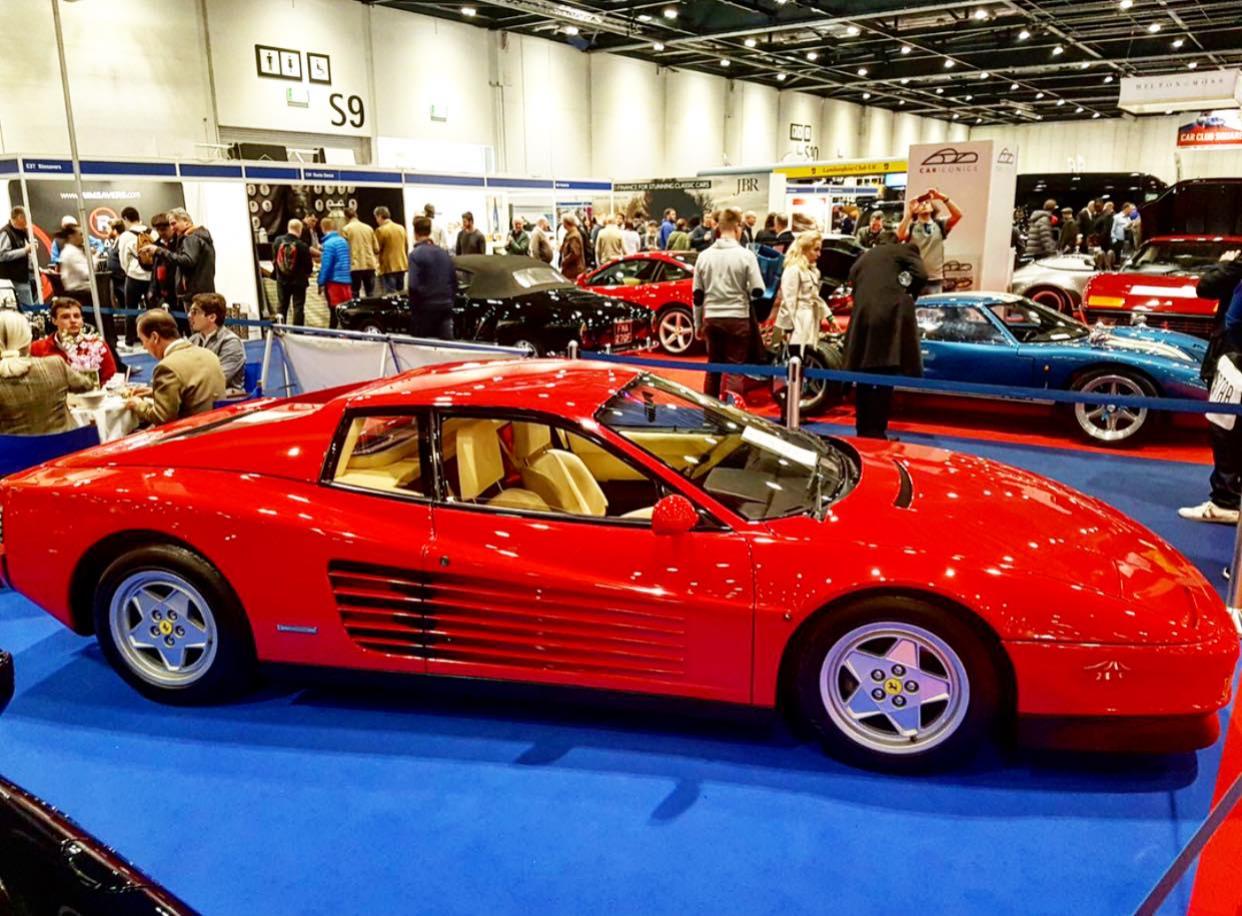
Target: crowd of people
{"points": [[1099, 228]]}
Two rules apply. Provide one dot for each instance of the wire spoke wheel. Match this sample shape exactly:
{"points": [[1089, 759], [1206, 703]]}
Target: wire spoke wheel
{"points": [[163, 628], [894, 688], [1111, 422]]}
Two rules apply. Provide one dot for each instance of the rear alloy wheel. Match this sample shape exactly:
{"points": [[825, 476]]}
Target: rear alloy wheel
{"points": [[675, 330], [895, 684], [1111, 424], [529, 346], [372, 329], [1053, 298], [817, 394], [170, 625]]}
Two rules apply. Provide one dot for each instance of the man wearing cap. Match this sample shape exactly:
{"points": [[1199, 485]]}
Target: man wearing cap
{"points": [[1069, 230], [869, 234]]}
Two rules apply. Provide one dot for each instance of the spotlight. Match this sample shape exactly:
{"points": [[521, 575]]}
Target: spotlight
{"points": [[670, 12], [724, 62], [1078, 110], [571, 30], [956, 116], [984, 75], [852, 31], [1024, 35], [1154, 28], [905, 80], [1085, 65], [978, 120], [1109, 78], [469, 11], [939, 91], [866, 95], [981, 14], [906, 49], [658, 46], [862, 71], [1058, 50], [967, 98], [1060, 102], [811, 55], [750, 42], [1178, 42], [902, 102], [1013, 87], [643, 17], [781, 77], [1125, 4], [950, 64], [1039, 95], [1096, 115], [1193, 65]]}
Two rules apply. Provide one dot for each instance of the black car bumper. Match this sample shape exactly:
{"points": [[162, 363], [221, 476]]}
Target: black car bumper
{"points": [[6, 679]]}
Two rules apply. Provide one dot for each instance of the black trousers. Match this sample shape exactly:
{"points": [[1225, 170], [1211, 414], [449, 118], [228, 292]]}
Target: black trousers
{"points": [[872, 404], [292, 296], [362, 281], [433, 325], [728, 341], [1226, 479], [135, 292]]}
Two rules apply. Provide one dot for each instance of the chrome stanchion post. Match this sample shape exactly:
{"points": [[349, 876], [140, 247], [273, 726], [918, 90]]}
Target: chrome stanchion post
{"points": [[1233, 600], [793, 393], [573, 349], [268, 334]]}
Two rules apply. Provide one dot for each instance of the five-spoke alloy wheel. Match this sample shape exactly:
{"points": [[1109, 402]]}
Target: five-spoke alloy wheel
{"points": [[675, 330], [1112, 423]]}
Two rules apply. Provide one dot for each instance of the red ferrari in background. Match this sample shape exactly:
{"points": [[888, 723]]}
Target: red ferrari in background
{"points": [[586, 524], [1159, 284], [663, 281]]}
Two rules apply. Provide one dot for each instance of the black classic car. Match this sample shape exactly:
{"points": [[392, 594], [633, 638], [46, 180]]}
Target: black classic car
{"points": [[48, 864], [515, 301]]}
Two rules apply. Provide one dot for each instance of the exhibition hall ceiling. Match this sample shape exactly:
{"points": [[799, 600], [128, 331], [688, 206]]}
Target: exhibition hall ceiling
{"points": [[997, 62]]}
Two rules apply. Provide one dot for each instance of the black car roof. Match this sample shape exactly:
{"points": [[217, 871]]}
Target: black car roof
{"points": [[491, 275]]}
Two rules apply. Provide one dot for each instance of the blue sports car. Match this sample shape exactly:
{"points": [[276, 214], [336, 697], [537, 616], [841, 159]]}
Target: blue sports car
{"points": [[1001, 339]]}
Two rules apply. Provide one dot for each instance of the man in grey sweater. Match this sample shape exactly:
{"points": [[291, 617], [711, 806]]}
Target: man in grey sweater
{"points": [[726, 279]]}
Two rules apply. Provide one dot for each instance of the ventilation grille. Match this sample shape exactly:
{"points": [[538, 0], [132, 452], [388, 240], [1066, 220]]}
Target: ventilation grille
{"points": [[1198, 326], [455, 620]]}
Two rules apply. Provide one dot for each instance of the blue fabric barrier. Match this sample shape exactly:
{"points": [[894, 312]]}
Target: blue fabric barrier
{"points": [[17, 453], [905, 383]]}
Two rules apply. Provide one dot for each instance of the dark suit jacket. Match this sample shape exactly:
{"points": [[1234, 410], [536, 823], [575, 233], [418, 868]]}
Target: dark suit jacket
{"points": [[883, 333], [1219, 282]]}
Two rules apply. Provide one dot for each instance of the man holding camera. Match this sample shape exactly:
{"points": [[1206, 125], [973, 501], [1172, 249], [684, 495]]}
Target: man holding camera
{"points": [[927, 230]]}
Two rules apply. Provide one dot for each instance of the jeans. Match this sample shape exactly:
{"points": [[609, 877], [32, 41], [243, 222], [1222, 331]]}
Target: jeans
{"points": [[433, 325], [135, 291], [25, 295], [362, 282], [728, 341], [393, 283], [872, 404], [291, 296]]}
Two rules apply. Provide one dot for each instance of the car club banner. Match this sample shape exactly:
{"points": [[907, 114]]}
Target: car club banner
{"points": [[1212, 130], [981, 178]]}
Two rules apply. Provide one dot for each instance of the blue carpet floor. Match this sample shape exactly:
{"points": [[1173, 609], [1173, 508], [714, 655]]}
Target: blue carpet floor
{"points": [[467, 799]]}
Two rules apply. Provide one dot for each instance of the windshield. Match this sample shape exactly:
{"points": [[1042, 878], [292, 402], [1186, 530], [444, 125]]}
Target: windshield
{"points": [[1030, 322], [1180, 255], [756, 468], [530, 277]]}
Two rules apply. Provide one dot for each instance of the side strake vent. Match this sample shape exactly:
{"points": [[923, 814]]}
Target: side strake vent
{"points": [[905, 491], [456, 619]]}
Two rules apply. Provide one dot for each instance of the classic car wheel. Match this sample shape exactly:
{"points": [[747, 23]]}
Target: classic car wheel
{"points": [[1112, 424], [528, 345], [169, 624], [372, 328], [1053, 298], [817, 395], [675, 330], [896, 684]]}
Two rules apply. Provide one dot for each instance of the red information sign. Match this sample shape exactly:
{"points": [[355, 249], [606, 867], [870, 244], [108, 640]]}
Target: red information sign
{"points": [[1211, 130]]}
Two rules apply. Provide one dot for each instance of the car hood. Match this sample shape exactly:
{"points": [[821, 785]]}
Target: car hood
{"points": [[1011, 523], [1154, 292], [1141, 341], [595, 309]]}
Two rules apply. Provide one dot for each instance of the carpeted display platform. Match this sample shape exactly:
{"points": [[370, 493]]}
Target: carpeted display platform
{"points": [[442, 798]]}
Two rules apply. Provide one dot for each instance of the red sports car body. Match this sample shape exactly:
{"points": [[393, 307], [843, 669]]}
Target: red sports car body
{"points": [[576, 523], [662, 281], [1159, 284]]}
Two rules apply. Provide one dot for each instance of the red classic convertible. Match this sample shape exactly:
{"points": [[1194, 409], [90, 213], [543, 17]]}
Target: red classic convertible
{"points": [[577, 523], [662, 281], [1159, 284]]}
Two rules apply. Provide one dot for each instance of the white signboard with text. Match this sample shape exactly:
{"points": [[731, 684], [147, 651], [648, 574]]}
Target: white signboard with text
{"points": [[980, 177]]}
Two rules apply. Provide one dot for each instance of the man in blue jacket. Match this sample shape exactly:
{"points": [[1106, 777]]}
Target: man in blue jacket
{"points": [[432, 285], [335, 280], [668, 227]]}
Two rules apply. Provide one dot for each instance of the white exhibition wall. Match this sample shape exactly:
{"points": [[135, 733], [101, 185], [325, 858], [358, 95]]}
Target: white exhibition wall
{"points": [[221, 206]]}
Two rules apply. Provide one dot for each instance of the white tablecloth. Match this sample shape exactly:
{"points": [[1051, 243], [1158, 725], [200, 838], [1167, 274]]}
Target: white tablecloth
{"points": [[110, 417]]}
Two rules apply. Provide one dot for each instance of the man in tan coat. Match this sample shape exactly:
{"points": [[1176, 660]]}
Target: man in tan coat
{"points": [[363, 253], [610, 244], [394, 258], [187, 380]]}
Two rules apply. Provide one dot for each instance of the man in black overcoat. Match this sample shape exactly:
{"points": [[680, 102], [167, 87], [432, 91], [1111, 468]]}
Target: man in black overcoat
{"points": [[883, 335]]}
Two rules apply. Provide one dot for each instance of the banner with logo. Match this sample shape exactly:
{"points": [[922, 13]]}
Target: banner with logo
{"points": [[696, 196], [1212, 130], [980, 177]]}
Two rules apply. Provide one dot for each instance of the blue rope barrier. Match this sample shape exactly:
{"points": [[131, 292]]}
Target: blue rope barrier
{"points": [[907, 383]]}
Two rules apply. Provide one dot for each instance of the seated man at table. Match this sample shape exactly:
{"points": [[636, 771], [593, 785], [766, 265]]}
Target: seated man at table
{"points": [[74, 342], [207, 311], [187, 380]]}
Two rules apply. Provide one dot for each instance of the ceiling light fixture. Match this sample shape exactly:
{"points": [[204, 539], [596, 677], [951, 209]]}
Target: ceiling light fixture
{"points": [[968, 98], [978, 120], [1013, 87], [984, 75], [1109, 78], [981, 14], [866, 95], [1060, 102], [1024, 35], [670, 12], [1178, 42], [950, 64], [956, 116], [1125, 4], [902, 102], [469, 11], [906, 49], [571, 30], [643, 17], [724, 62], [1154, 28], [658, 46], [781, 77], [905, 80], [1096, 115], [1193, 65], [852, 31], [1078, 110], [1039, 95], [862, 71], [811, 55], [1058, 50], [750, 42], [939, 91], [1085, 65]]}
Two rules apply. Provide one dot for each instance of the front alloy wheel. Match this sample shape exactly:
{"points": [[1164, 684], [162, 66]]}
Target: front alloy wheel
{"points": [[1111, 423], [675, 330], [164, 628]]}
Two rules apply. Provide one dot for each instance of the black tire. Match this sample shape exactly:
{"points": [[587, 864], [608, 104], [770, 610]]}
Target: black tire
{"points": [[373, 327], [231, 669], [817, 396], [954, 730], [1127, 382]]}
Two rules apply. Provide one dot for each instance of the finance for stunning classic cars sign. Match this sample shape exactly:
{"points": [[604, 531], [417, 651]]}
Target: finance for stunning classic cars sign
{"points": [[1212, 130]]}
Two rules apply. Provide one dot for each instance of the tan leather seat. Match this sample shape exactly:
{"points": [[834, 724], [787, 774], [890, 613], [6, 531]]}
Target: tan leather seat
{"points": [[561, 478], [480, 466]]}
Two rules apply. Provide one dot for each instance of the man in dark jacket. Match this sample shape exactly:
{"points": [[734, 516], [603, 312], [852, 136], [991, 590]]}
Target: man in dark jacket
{"points": [[470, 240], [883, 335], [1041, 237], [16, 249], [1223, 282], [194, 259], [1069, 231], [292, 267], [432, 285]]}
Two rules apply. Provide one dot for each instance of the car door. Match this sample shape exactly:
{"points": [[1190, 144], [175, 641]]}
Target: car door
{"points": [[963, 343], [528, 589]]}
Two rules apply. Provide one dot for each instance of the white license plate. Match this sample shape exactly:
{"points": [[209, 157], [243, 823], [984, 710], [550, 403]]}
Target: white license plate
{"points": [[622, 332]]}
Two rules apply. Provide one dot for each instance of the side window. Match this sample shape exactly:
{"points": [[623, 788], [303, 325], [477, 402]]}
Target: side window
{"points": [[530, 466], [627, 273], [381, 453], [674, 272], [957, 325]]}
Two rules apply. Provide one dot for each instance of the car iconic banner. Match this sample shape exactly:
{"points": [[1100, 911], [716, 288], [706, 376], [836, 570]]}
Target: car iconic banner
{"points": [[1212, 130]]}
